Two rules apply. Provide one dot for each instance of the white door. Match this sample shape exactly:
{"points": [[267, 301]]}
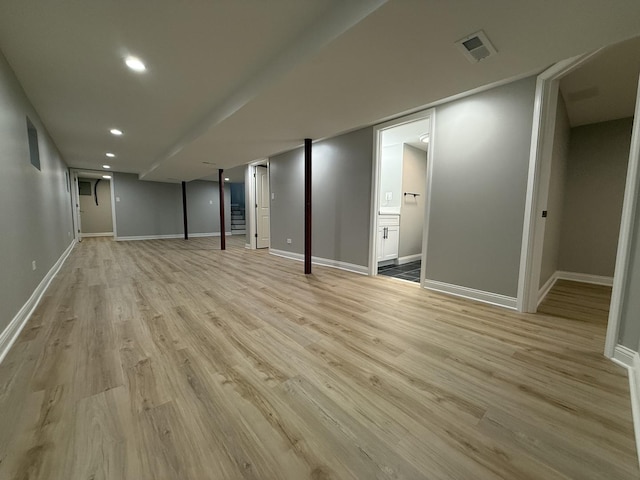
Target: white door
{"points": [[263, 234], [75, 199]]}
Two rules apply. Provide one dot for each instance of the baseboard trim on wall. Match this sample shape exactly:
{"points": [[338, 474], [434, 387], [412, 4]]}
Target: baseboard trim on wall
{"points": [[90, 235], [575, 277], [408, 259], [629, 359], [170, 236], [472, 294], [325, 262], [247, 246], [10, 334]]}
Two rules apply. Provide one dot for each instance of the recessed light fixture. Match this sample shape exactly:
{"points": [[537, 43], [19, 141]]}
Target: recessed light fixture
{"points": [[106, 176], [116, 132], [226, 179], [106, 166], [135, 64], [424, 138], [110, 155]]}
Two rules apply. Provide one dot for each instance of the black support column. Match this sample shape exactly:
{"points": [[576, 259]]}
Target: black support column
{"points": [[307, 205], [223, 242], [184, 210]]}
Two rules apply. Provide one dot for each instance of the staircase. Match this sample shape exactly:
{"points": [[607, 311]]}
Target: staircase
{"points": [[238, 222]]}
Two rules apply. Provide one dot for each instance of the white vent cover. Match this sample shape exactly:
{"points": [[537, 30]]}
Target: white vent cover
{"points": [[476, 47]]}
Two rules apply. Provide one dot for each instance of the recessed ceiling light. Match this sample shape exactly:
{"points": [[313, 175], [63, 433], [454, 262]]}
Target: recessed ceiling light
{"points": [[226, 179], [110, 155], [116, 132], [106, 166], [424, 138], [135, 64], [106, 176]]}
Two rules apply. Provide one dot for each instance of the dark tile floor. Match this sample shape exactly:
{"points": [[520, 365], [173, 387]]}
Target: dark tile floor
{"points": [[408, 271]]}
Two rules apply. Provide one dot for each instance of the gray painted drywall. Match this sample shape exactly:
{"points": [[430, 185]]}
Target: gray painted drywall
{"points": [[596, 175], [155, 208], [414, 180], [555, 200], [96, 218], [341, 198], [480, 164], [203, 206], [35, 206], [146, 208]]}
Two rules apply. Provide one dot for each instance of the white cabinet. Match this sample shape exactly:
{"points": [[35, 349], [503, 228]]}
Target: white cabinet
{"points": [[388, 237]]}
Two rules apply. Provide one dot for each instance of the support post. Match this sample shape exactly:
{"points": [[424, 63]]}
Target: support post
{"points": [[223, 242], [184, 210], [307, 206]]}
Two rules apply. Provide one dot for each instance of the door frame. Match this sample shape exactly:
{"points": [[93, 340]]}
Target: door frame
{"points": [[250, 180], [546, 97], [75, 200], [375, 185]]}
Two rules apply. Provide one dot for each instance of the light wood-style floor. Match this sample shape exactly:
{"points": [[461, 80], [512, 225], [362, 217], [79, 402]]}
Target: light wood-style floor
{"points": [[173, 360]]}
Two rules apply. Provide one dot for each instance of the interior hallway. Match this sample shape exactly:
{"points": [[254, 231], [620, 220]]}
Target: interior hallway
{"points": [[169, 359]]}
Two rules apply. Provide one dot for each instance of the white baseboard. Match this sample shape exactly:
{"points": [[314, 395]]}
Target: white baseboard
{"points": [[408, 259], [10, 334], [575, 277], [89, 235], [170, 236], [238, 232], [625, 357], [248, 246], [325, 262], [472, 294], [585, 278]]}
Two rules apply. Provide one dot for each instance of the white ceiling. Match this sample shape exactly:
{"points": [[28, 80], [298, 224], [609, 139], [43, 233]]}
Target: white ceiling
{"points": [[605, 87], [233, 81]]}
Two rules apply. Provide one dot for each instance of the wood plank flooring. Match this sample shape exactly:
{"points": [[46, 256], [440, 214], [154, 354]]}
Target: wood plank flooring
{"points": [[174, 360]]}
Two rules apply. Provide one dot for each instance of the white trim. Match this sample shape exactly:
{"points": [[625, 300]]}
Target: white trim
{"points": [[104, 234], [471, 294], [408, 259], [326, 262], [10, 334], [585, 278], [238, 232], [623, 256], [546, 288], [629, 359], [170, 236], [544, 114], [207, 234], [250, 190], [113, 205], [623, 356], [149, 237], [247, 246], [375, 180]]}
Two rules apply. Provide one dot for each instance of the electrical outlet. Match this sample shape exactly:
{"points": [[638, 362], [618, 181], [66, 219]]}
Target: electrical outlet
{"points": [[210, 202], [68, 234], [273, 196], [117, 199], [33, 265], [289, 241]]}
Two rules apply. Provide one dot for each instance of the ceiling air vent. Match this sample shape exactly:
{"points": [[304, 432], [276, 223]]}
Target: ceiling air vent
{"points": [[476, 47]]}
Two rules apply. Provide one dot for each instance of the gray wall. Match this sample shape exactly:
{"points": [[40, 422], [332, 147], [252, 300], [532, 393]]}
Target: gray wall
{"points": [[555, 201], [596, 175], [96, 218], [154, 208], [203, 204], [480, 164], [35, 206], [414, 179], [341, 198]]}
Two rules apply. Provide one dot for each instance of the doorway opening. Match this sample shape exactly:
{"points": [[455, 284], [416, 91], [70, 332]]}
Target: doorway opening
{"points": [[92, 198], [259, 198], [583, 187], [401, 197]]}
